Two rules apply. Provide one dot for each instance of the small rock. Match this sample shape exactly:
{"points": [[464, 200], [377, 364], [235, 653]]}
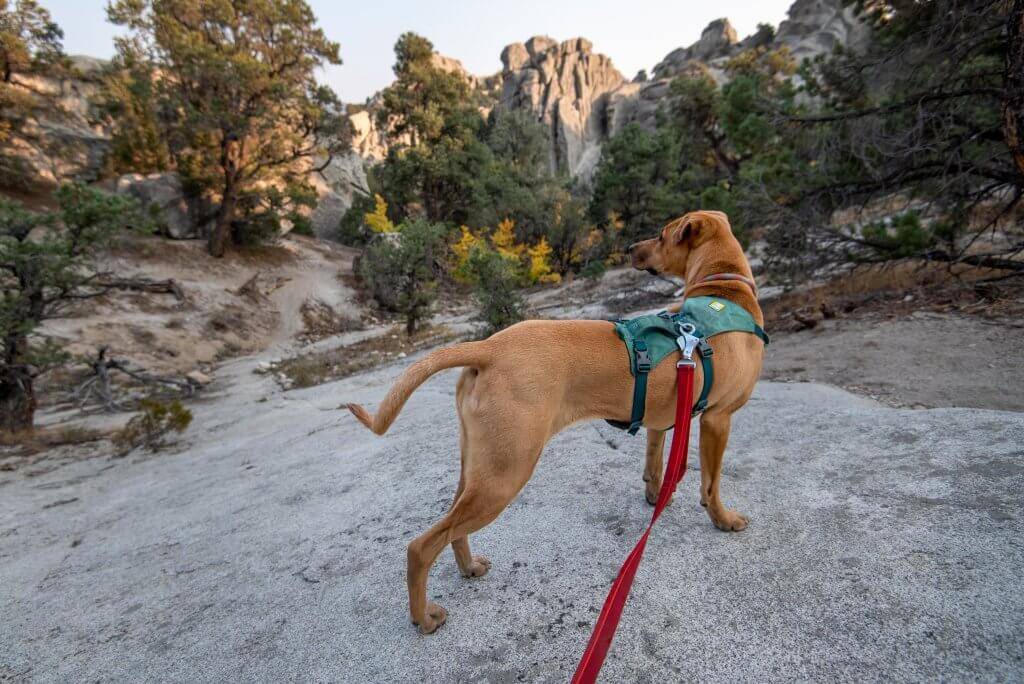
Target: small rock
{"points": [[908, 298], [401, 355], [198, 378]]}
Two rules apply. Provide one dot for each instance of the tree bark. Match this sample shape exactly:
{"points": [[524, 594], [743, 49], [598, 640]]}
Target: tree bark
{"points": [[1013, 87], [17, 401], [230, 149], [221, 231]]}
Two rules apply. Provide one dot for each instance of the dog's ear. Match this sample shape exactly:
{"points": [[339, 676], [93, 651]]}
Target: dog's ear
{"points": [[688, 228]]}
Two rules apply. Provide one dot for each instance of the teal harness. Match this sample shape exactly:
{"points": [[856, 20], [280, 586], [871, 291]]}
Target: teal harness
{"points": [[651, 338]]}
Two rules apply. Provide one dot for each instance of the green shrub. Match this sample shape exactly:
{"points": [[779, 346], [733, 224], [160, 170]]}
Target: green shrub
{"points": [[495, 288], [399, 269], [594, 270], [352, 229], [902, 236], [152, 425]]}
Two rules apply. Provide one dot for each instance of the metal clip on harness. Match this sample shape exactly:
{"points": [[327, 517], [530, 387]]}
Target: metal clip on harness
{"points": [[687, 342]]}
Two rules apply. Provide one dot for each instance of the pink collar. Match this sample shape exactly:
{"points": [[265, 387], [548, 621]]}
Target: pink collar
{"points": [[749, 282]]}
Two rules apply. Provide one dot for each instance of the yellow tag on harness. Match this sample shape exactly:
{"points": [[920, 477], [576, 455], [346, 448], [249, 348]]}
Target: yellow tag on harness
{"points": [[717, 306]]}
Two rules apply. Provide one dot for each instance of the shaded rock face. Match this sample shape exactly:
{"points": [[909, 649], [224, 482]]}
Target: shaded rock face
{"points": [[63, 141], [717, 40], [162, 194], [565, 85], [67, 141], [337, 187], [815, 27]]}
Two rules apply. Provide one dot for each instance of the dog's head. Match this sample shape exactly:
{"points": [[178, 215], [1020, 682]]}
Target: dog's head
{"points": [[671, 251]]}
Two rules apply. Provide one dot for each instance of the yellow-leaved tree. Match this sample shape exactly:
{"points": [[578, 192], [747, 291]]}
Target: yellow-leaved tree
{"points": [[540, 263], [504, 240], [462, 249], [377, 219]]}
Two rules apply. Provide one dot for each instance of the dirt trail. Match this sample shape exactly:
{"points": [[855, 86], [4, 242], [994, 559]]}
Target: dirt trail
{"points": [[315, 277]]}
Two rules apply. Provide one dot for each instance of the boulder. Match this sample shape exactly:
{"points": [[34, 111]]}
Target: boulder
{"points": [[336, 187], [198, 378], [164, 194], [63, 139]]}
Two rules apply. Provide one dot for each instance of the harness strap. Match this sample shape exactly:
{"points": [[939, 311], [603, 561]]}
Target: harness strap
{"points": [[705, 351], [643, 367]]}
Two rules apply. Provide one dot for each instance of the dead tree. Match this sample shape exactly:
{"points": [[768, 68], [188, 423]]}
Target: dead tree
{"points": [[98, 384]]}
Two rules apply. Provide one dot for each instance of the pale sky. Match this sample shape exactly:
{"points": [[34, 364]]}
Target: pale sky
{"points": [[635, 34]]}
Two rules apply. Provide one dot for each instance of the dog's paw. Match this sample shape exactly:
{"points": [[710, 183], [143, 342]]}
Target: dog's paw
{"points": [[435, 617], [478, 568], [729, 520], [652, 497]]}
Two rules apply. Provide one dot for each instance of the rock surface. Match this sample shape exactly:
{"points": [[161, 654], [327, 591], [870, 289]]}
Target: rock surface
{"points": [[884, 544], [565, 85], [336, 187], [717, 40], [815, 27], [162, 193], [64, 141]]}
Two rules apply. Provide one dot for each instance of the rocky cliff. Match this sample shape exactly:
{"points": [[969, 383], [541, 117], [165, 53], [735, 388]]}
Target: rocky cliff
{"points": [[63, 139], [565, 85], [577, 93], [582, 99]]}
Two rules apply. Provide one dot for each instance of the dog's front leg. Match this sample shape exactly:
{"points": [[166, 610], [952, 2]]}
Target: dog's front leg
{"points": [[654, 465], [714, 435]]}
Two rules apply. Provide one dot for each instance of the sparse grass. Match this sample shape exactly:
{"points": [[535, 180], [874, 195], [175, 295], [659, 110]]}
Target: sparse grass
{"points": [[319, 367], [152, 425]]}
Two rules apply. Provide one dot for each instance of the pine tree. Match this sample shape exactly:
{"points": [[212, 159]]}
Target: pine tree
{"points": [[243, 110]]}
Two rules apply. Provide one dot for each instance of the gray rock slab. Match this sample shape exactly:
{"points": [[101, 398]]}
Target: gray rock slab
{"points": [[884, 544]]}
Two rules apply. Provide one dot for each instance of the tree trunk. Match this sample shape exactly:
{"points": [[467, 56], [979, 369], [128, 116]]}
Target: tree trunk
{"points": [[221, 231], [17, 401], [1013, 87], [410, 323]]}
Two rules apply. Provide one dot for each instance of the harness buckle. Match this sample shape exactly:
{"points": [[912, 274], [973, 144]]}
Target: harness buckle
{"points": [[643, 360], [704, 347], [687, 341]]}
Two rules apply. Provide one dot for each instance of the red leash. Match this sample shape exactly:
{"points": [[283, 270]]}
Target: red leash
{"points": [[604, 630]]}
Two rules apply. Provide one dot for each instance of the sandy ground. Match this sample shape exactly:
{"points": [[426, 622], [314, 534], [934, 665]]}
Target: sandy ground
{"points": [[923, 360], [270, 546], [215, 321]]}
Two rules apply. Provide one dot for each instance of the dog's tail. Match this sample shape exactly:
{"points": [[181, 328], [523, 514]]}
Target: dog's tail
{"points": [[473, 354]]}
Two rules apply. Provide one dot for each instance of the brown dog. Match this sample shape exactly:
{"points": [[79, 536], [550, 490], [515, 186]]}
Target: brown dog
{"points": [[524, 384]]}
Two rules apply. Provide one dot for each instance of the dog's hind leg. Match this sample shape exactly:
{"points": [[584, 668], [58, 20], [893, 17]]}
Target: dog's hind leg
{"points": [[714, 435], [469, 565], [654, 465], [475, 508], [492, 475]]}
